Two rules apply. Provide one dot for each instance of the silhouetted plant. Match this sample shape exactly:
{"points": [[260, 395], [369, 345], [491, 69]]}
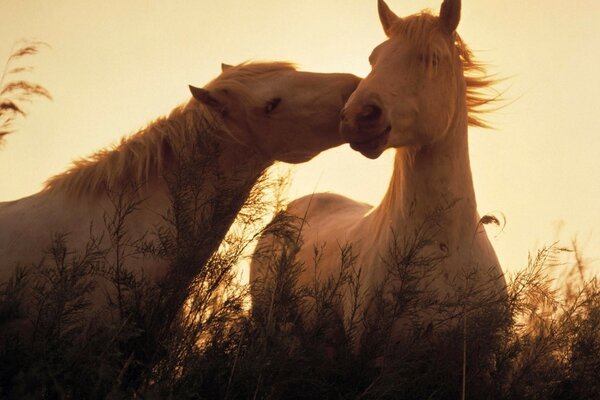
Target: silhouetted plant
{"points": [[14, 91], [542, 341]]}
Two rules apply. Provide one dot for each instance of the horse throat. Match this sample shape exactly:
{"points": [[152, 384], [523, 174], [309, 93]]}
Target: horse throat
{"points": [[431, 186]]}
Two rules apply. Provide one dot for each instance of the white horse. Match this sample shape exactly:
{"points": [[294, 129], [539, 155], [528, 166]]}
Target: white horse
{"points": [[247, 118], [419, 99]]}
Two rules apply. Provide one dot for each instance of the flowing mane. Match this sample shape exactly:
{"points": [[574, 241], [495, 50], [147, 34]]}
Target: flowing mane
{"points": [[250, 70], [136, 159], [421, 29], [139, 158], [236, 79]]}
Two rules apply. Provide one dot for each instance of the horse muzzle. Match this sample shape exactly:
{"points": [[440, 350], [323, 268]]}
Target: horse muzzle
{"points": [[365, 129]]}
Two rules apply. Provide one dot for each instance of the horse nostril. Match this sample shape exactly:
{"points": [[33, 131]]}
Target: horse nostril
{"points": [[343, 114], [370, 113]]}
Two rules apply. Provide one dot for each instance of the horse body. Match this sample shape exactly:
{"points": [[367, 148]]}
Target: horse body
{"points": [[421, 191], [417, 100], [205, 157], [29, 225]]}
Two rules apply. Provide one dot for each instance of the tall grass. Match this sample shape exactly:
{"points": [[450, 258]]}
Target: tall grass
{"points": [[540, 342], [15, 91]]}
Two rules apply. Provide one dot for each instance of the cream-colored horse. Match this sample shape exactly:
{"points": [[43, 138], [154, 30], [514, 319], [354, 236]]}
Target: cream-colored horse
{"points": [[240, 123], [419, 98]]}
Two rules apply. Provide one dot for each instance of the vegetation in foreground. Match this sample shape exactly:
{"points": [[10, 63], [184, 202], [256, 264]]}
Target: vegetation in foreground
{"points": [[542, 342]]}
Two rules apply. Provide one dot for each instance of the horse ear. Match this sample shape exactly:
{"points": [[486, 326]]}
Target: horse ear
{"points": [[225, 67], [205, 97], [386, 16], [450, 15]]}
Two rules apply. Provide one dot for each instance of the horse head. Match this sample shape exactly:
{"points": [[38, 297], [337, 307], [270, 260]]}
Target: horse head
{"points": [[409, 97], [287, 115]]}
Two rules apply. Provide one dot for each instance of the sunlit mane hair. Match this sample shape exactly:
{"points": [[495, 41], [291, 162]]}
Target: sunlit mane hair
{"points": [[142, 156], [251, 70], [236, 78], [423, 30], [136, 159]]}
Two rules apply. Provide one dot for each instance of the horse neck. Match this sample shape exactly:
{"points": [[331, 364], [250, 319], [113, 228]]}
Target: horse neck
{"points": [[209, 151], [432, 182], [219, 169], [217, 164], [208, 178]]}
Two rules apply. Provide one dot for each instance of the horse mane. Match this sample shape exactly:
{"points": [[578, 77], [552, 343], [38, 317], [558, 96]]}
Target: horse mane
{"points": [[423, 30], [136, 159], [235, 79], [252, 70]]}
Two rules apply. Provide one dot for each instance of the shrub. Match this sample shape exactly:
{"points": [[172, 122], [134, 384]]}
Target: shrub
{"points": [[542, 341]]}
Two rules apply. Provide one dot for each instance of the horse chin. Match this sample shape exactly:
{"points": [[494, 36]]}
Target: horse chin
{"points": [[296, 157], [370, 153], [372, 148]]}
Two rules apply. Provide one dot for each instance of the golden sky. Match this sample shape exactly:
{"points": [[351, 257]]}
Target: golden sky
{"points": [[114, 65]]}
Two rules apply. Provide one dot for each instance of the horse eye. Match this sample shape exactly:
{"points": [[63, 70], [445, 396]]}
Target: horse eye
{"points": [[430, 59], [272, 104]]}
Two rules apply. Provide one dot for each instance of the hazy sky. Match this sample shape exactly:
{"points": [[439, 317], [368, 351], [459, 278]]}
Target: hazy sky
{"points": [[114, 65]]}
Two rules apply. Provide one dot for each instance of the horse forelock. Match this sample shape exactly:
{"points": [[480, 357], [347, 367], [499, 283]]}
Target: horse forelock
{"points": [[425, 33], [253, 70], [136, 159], [239, 79]]}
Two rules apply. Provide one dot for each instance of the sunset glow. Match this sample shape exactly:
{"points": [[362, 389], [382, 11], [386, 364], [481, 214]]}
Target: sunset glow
{"points": [[113, 66]]}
